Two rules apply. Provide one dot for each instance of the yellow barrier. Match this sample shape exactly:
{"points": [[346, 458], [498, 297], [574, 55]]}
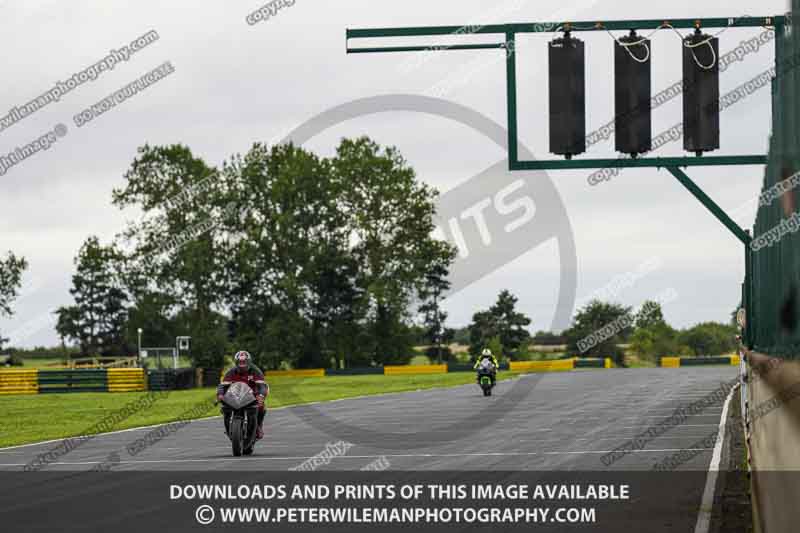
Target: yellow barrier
{"points": [[311, 373], [414, 369], [735, 360], [670, 362], [19, 381], [126, 379], [542, 366], [607, 362]]}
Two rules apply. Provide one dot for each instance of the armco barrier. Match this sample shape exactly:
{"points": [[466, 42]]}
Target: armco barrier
{"points": [[310, 373], [670, 362], [126, 380], [363, 371], [19, 381], [593, 362], [414, 369], [84, 380], [466, 367], [675, 362], [171, 379], [557, 365]]}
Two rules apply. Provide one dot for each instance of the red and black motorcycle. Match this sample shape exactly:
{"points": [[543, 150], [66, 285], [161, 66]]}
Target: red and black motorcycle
{"points": [[240, 411]]}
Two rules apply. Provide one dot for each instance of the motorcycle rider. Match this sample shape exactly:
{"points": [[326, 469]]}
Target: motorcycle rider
{"points": [[246, 372], [487, 354]]}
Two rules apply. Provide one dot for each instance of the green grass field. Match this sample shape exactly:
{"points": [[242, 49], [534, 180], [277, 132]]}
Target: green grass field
{"points": [[38, 417], [41, 363]]}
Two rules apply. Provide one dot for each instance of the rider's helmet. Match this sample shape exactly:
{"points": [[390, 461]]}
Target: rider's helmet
{"points": [[486, 352], [242, 359]]}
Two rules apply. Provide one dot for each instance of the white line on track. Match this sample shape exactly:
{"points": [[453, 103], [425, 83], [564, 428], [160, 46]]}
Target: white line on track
{"points": [[704, 514], [681, 425], [404, 455]]}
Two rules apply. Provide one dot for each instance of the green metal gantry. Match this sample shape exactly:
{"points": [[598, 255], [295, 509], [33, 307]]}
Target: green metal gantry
{"points": [[673, 164]]}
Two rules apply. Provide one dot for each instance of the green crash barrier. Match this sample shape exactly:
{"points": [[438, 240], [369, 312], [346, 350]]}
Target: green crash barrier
{"points": [[675, 362], [591, 362], [84, 380], [699, 361]]}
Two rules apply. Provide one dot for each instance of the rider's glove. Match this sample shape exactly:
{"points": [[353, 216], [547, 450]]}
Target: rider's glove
{"points": [[260, 399], [219, 397]]}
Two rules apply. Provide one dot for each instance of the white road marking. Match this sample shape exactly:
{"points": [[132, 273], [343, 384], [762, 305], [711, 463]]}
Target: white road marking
{"points": [[679, 425], [403, 455], [704, 514]]}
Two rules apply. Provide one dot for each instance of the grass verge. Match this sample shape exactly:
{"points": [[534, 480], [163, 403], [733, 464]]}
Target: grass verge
{"points": [[37, 417]]}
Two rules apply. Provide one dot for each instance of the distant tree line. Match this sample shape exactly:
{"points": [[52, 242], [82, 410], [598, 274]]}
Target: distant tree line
{"points": [[647, 333]]}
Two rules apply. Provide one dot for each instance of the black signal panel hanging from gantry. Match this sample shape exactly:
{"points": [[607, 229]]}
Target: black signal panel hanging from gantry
{"points": [[632, 84], [567, 66], [700, 93]]}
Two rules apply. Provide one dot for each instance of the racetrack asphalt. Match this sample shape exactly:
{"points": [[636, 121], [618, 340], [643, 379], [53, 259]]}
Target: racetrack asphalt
{"points": [[546, 422]]}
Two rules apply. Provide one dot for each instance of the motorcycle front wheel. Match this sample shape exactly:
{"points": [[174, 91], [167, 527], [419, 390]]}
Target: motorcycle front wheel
{"points": [[237, 436]]}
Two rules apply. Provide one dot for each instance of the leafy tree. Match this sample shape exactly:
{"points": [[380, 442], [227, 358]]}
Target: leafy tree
{"points": [[97, 320], [510, 323], [501, 321], [710, 338], [11, 270], [287, 260], [335, 309], [496, 346], [650, 315], [653, 337], [597, 328], [436, 285], [174, 252], [654, 341], [482, 329], [390, 219], [152, 314], [208, 331]]}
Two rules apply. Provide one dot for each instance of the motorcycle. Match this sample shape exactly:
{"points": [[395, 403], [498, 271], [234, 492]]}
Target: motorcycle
{"points": [[486, 376], [240, 412]]}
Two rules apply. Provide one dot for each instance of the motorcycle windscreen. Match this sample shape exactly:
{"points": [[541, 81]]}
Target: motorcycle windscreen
{"points": [[239, 395]]}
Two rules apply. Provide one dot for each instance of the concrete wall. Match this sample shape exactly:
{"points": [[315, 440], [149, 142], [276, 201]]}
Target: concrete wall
{"points": [[772, 393]]}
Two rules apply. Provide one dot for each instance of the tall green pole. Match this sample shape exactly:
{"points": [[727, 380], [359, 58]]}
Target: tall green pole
{"points": [[511, 98], [748, 297]]}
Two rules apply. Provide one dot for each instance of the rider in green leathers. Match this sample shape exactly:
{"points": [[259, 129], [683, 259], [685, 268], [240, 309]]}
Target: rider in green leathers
{"points": [[487, 354]]}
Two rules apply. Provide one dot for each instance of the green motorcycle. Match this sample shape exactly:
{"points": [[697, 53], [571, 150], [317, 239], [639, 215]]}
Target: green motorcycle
{"points": [[486, 380]]}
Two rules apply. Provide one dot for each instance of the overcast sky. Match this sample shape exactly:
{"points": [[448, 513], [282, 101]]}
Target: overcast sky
{"points": [[235, 83]]}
